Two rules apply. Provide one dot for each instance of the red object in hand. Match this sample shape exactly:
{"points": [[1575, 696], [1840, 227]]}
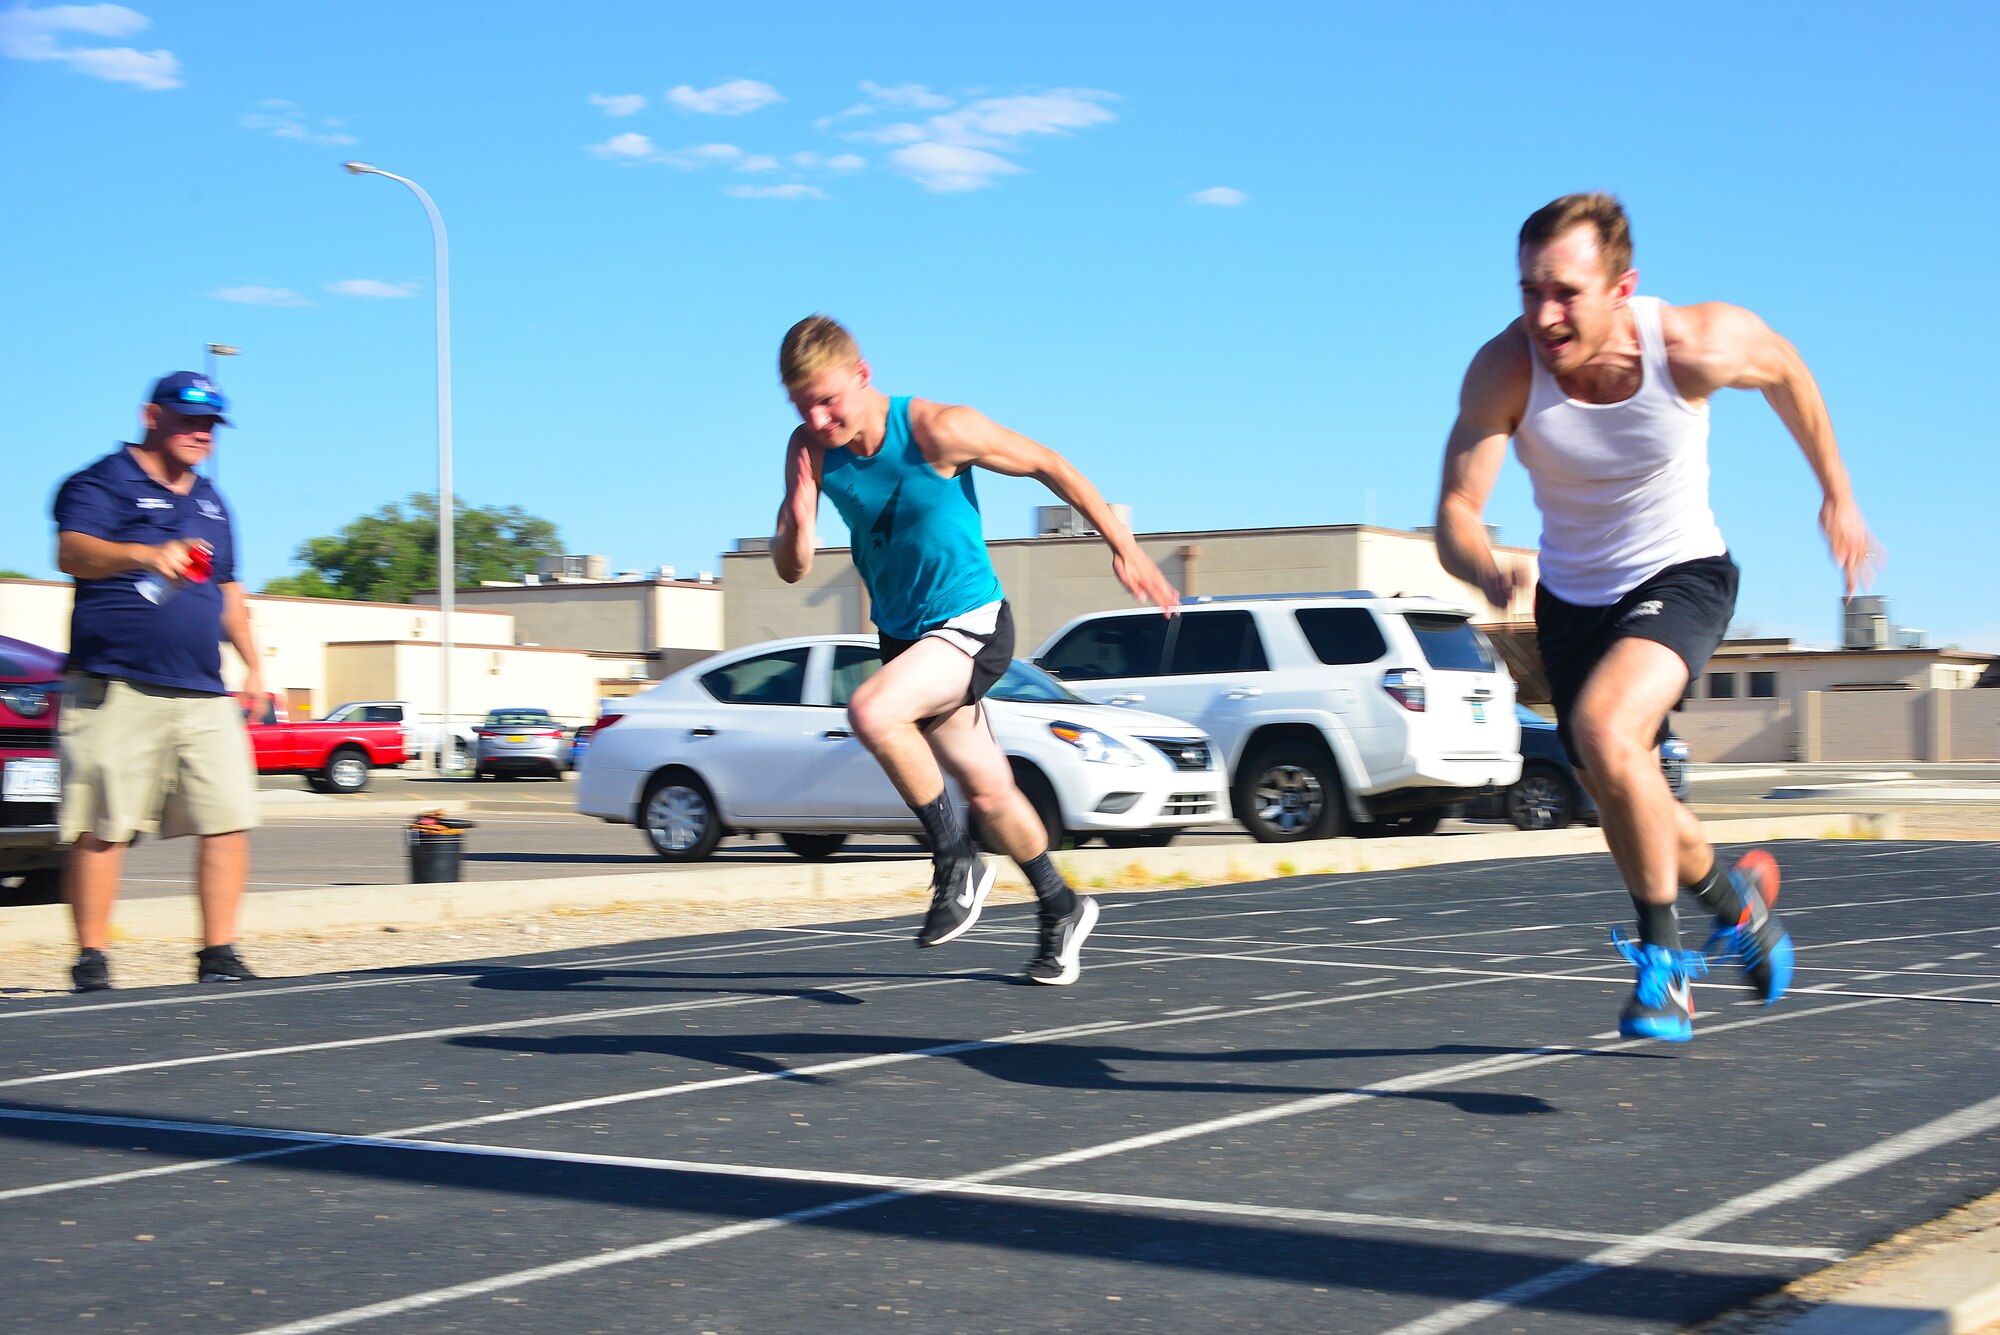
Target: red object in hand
{"points": [[200, 564]]}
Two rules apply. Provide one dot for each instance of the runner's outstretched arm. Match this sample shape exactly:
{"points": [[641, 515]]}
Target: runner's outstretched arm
{"points": [[1739, 351], [792, 545], [961, 436], [1490, 404]]}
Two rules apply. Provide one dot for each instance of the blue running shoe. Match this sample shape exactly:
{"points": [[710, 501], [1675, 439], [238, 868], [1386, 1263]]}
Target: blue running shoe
{"points": [[1757, 939], [1662, 1003]]}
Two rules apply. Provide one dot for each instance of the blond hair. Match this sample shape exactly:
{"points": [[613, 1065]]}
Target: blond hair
{"points": [[812, 346], [1597, 208]]}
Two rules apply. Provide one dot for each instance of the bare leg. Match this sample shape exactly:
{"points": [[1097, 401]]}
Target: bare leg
{"points": [[221, 873], [1656, 842], [90, 884], [965, 745], [927, 679]]}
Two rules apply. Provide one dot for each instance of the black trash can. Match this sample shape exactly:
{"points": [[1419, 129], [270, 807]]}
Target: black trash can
{"points": [[436, 841]]}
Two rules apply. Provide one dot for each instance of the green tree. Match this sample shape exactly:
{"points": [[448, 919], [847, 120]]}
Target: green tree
{"points": [[391, 554], [15, 574]]}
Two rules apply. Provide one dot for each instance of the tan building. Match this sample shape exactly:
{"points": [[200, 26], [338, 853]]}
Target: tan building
{"points": [[1768, 700], [1052, 578], [669, 622]]}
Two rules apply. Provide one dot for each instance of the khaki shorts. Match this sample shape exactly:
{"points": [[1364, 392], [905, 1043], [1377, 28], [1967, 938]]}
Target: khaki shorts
{"points": [[139, 758]]}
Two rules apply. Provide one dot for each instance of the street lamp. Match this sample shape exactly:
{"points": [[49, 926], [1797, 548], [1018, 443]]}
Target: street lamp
{"points": [[210, 351], [447, 554]]}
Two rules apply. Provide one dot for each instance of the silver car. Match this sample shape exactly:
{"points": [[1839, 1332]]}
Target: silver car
{"points": [[519, 741]]}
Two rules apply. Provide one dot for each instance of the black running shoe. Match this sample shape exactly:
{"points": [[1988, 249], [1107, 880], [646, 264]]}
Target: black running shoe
{"points": [[91, 972], [959, 886], [220, 964], [1059, 961]]}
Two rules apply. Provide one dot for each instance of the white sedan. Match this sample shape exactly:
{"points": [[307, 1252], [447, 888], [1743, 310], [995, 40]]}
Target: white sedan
{"points": [[756, 739]]}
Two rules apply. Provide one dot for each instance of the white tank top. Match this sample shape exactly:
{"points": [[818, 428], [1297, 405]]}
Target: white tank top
{"points": [[1622, 487]]}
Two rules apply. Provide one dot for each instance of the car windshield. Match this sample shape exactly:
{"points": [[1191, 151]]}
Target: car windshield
{"points": [[1026, 684], [519, 718]]}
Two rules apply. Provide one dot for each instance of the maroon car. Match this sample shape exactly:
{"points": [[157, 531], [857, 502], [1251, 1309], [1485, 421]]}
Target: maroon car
{"points": [[30, 781]]}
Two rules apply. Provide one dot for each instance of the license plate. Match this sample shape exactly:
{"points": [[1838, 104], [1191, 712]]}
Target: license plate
{"points": [[32, 780], [1479, 711], [516, 741]]}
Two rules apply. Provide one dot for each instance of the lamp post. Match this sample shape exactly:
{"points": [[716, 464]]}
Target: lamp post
{"points": [[447, 553], [210, 351]]}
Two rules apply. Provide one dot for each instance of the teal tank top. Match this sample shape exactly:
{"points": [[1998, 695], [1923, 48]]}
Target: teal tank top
{"points": [[916, 534]]}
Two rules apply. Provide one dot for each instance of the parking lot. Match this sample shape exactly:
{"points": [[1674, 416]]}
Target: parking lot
{"points": [[1390, 1102]]}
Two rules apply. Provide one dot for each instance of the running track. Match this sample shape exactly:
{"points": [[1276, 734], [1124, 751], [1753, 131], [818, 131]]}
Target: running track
{"points": [[1387, 1102]]}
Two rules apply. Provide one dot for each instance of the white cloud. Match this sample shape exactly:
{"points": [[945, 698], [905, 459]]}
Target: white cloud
{"points": [[372, 287], [733, 98], [995, 122], [758, 162], [794, 190], [912, 95], [630, 146], [846, 162], [1221, 196], [29, 33], [948, 168], [254, 295], [701, 155], [287, 120], [619, 104]]}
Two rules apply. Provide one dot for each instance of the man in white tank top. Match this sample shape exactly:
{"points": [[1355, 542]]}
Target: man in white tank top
{"points": [[1605, 396]]}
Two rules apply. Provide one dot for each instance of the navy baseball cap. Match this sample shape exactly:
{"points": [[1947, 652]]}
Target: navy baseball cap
{"points": [[191, 394]]}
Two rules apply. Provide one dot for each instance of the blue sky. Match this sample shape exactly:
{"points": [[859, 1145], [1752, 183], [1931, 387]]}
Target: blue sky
{"points": [[1231, 260]]}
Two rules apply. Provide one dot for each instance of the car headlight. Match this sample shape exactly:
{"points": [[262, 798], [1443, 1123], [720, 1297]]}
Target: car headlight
{"points": [[1095, 746], [26, 700]]}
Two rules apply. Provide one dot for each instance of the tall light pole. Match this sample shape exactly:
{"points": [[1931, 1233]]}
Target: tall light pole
{"points": [[210, 351], [447, 551]]}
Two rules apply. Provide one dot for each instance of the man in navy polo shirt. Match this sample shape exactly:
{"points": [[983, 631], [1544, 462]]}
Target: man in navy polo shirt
{"points": [[151, 739]]}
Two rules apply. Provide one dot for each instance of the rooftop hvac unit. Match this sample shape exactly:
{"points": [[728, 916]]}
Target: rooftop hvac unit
{"points": [[753, 544], [574, 567], [1865, 623], [1063, 521]]}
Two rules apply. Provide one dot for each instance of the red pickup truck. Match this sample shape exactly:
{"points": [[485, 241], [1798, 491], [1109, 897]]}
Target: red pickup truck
{"points": [[334, 757]]}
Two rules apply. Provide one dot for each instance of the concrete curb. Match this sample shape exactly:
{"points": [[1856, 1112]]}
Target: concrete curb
{"points": [[333, 907], [1951, 1291], [283, 803]]}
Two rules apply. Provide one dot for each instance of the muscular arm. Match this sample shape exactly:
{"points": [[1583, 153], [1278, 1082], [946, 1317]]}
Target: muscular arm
{"points": [[792, 547], [956, 437], [236, 630], [1490, 403], [85, 557], [1718, 346]]}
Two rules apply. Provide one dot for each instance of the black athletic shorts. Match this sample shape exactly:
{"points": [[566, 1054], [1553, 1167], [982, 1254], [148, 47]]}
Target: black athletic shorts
{"points": [[1685, 607], [985, 636]]}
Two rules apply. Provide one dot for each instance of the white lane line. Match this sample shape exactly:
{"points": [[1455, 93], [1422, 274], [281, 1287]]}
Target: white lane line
{"points": [[495, 1283], [1870, 977], [1280, 996], [1370, 922], [1201, 1010], [1445, 913], [1971, 1121], [1970, 955], [1367, 982], [454, 1031], [703, 1086], [944, 1186], [192, 997]]}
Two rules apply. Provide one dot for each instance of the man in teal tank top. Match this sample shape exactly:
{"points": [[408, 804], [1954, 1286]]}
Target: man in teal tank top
{"points": [[899, 470]]}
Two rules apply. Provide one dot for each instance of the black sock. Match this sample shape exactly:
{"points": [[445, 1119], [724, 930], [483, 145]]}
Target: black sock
{"points": [[1052, 892], [1658, 926], [947, 835], [1718, 895]]}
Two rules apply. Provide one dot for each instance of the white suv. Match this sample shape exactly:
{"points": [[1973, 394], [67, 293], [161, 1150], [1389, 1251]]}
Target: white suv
{"points": [[1330, 711]]}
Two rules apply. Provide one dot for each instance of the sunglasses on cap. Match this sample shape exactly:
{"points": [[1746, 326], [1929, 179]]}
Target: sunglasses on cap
{"points": [[191, 394]]}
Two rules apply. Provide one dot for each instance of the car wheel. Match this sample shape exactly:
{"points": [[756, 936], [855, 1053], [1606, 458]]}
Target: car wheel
{"points": [[1286, 792], [1541, 799], [813, 847], [1139, 838], [679, 818], [317, 784], [1408, 823], [346, 771]]}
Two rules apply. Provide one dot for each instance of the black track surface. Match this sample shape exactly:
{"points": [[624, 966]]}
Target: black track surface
{"points": [[1319, 1104]]}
